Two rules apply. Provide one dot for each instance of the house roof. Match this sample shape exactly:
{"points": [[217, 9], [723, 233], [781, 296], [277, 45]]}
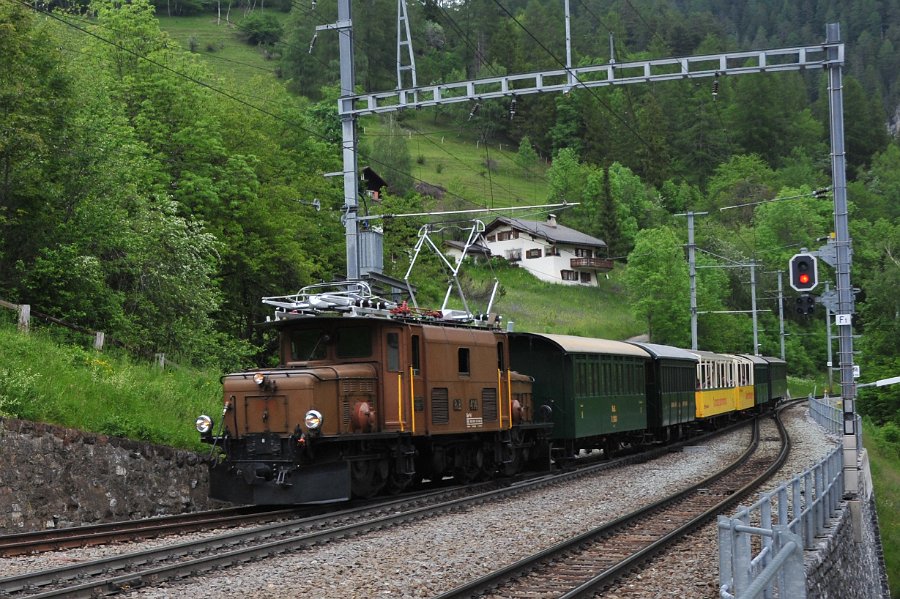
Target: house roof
{"points": [[473, 249], [546, 230]]}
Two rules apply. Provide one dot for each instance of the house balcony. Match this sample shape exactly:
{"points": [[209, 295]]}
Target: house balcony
{"points": [[595, 264]]}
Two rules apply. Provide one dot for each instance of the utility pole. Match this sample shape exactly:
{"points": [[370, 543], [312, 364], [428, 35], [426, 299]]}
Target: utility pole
{"points": [[344, 27], [828, 335], [781, 314], [844, 315], [692, 272], [753, 307]]}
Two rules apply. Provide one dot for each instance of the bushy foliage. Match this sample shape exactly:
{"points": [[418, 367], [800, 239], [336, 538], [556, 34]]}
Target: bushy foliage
{"points": [[260, 29]]}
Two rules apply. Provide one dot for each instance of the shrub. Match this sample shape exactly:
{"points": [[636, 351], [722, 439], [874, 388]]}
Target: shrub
{"points": [[260, 29]]}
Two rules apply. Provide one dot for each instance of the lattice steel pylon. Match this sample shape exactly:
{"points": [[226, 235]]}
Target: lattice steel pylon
{"points": [[403, 31]]}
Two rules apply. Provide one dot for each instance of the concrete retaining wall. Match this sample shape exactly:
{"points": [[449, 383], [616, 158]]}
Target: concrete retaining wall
{"points": [[849, 562]]}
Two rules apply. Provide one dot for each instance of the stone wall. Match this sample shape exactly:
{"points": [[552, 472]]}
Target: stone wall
{"points": [[57, 477], [849, 562]]}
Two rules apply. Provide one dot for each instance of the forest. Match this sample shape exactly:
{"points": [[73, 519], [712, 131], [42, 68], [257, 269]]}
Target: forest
{"points": [[145, 193]]}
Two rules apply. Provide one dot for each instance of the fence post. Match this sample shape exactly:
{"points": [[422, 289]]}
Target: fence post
{"points": [[24, 317], [99, 337], [161, 360]]}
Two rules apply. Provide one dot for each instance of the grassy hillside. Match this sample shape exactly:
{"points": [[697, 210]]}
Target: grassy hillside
{"points": [[450, 155], [534, 305], [45, 379], [884, 459], [218, 44]]}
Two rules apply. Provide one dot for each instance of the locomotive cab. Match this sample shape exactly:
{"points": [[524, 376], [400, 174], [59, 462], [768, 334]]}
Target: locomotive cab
{"points": [[368, 401]]}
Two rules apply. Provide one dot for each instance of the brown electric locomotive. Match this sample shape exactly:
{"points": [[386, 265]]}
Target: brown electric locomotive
{"points": [[371, 397]]}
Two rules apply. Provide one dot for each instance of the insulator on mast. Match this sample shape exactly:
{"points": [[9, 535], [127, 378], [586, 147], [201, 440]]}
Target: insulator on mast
{"points": [[512, 108], [312, 42], [715, 89], [474, 110]]}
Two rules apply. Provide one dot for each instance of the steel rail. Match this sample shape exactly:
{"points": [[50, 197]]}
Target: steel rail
{"points": [[130, 530], [490, 582], [225, 549]]}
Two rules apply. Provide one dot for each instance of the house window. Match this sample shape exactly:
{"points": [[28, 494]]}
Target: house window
{"points": [[552, 251], [568, 275], [533, 253], [585, 277], [584, 253], [513, 255], [492, 238], [507, 235]]}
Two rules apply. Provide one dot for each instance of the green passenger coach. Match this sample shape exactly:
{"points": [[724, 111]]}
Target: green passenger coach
{"points": [[671, 390], [594, 388]]}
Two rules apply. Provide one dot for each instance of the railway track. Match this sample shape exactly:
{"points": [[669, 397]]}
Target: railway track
{"points": [[154, 566], [149, 528], [131, 530], [586, 564]]}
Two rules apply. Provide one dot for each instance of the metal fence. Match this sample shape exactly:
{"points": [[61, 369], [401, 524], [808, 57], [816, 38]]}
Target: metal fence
{"points": [[828, 413], [761, 546]]}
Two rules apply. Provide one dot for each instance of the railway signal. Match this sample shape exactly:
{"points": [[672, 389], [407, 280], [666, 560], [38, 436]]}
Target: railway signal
{"points": [[806, 303], [804, 272]]}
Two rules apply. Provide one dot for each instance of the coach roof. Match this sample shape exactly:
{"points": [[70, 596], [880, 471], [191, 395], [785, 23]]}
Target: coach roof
{"points": [[571, 344]]}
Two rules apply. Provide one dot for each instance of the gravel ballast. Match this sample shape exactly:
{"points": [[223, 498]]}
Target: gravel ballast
{"points": [[427, 558]]}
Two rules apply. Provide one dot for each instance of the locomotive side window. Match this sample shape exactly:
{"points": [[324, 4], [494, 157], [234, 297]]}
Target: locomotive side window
{"points": [[463, 355], [393, 352], [415, 354], [500, 363], [354, 342], [308, 344]]}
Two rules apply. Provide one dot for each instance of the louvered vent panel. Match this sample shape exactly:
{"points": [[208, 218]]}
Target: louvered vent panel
{"points": [[357, 386], [345, 411], [489, 404], [440, 406]]}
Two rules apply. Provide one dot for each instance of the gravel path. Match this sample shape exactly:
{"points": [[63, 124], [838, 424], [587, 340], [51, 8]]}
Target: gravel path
{"points": [[425, 559]]}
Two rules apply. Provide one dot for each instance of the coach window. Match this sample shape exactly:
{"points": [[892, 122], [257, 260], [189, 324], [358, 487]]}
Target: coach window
{"points": [[415, 354], [393, 352], [463, 355]]}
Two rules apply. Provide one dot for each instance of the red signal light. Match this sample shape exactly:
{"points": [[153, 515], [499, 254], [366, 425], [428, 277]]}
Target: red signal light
{"points": [[804, 279]]}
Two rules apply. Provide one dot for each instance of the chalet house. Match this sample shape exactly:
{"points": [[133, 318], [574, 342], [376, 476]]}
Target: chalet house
{"points": [[549, 251], [477, 252]]}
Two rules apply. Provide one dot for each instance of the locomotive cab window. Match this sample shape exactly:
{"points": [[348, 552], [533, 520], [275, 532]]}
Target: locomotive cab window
{"points": [[354, 342], [415, 354], [393, 352], [463, 357], [309, 344]]}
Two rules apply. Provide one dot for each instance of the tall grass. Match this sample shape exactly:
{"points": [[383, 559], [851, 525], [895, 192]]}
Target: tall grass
{"points": [[884, 460], [536, 306], [45, 380]]}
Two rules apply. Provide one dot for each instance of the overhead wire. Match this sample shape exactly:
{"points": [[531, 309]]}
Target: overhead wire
{"points": [[580, 82]]}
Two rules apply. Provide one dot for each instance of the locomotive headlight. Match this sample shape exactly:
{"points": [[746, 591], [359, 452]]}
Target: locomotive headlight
{"points": [[204, 424], [313, 420], [259, 378]]}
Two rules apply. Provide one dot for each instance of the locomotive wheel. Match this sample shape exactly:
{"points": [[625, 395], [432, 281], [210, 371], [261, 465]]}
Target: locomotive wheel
{"points": [[473, 461], [397, 483], [368, 477], [515, 465]]}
